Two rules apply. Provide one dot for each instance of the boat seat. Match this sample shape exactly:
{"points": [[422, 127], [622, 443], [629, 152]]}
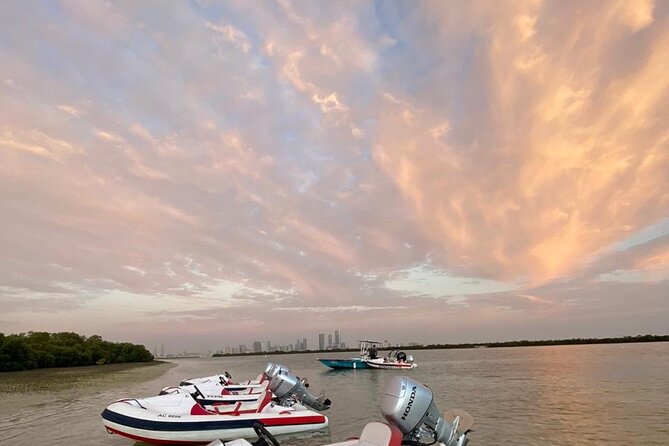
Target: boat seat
{"points": [[236, 409], [380, 434], [252, 390], [198, 409], [256, 407]]}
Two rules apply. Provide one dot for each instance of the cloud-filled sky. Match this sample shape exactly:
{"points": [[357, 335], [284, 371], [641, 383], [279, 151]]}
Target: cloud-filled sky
{"points": [[204, 173]]}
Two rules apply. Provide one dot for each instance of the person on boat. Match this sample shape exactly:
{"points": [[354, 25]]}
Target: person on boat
{"points": [[373, 352]]}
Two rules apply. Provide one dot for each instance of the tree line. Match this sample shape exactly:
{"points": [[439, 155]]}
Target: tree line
{"points": [[573, 341], [521, 343], [34, 350]]}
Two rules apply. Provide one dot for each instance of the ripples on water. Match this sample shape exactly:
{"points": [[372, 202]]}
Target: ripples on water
{"points": [[568, 395]]}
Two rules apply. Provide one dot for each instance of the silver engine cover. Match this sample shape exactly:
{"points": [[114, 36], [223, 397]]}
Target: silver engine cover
{"points": [[405, 403], [286, 386]]}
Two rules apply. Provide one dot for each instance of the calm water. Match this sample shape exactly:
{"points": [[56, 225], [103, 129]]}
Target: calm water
{"points": [[567, 395]]}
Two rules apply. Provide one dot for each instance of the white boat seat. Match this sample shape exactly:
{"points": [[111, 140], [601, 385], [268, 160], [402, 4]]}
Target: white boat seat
{"points": [[233, 409], [380, 434]]}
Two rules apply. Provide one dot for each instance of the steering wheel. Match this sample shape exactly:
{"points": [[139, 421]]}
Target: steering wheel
{"points": [[197, 392], [263, 434]]}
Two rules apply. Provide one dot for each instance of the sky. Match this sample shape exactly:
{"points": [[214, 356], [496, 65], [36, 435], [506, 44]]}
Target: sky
{"points": [[205, 173]]}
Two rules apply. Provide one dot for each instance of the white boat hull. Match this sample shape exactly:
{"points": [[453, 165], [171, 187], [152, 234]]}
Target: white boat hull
{"points": [[157, 420], [199, 435], [380, 364]]}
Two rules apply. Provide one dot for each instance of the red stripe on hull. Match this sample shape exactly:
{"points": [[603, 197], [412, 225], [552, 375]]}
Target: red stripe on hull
{"points": [[313, 419]]}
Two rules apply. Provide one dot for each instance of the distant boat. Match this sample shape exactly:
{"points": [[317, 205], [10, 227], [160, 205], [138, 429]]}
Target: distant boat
{"points": [[396, 359], [353, 363], [367, 351]]}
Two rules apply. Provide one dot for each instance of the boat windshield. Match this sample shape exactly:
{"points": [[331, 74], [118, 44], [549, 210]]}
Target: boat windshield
{"points": [[365, 346], [393, 354]]}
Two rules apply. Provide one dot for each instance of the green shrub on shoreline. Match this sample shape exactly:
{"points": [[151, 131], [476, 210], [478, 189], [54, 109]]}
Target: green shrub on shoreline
{"points": [[36, 350]]}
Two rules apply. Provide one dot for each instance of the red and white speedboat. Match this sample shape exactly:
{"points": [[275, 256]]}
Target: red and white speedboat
{"points": [[180, 419], [278, 379], [205, 409], [213, 392], [225, 379]]}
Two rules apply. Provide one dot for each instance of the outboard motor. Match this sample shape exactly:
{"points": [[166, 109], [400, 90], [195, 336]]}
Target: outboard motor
{"points": [[409, 405], [271, 370], [290, 389]]}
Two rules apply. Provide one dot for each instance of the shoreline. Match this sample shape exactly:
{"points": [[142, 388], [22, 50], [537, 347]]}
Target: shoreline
{"points": [[29, 389], [68, 378], [506, 344]]}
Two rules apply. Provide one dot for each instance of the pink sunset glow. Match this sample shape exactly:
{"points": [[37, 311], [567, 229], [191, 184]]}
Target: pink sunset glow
{"points": [[203, 174]]}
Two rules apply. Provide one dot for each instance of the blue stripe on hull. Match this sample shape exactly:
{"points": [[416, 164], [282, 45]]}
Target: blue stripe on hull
{"points": [[204, 425], [175, 426]]}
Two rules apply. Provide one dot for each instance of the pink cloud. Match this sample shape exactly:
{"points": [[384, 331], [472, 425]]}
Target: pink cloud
{"points": [[311, 155]]}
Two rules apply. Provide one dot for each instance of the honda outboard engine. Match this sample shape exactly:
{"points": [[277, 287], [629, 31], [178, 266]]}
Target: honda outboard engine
{"points": [[269, 368], [272, 369], [409, 405], [290, 389]]}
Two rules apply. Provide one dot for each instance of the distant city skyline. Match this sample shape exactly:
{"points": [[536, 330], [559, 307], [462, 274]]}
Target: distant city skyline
{"points": [[302, 344], [203, 174]]}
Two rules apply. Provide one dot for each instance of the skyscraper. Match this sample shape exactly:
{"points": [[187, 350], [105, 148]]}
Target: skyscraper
{"points": [[321, 341], [304, 343], [337, 339], [257, 346], [329, 341]]}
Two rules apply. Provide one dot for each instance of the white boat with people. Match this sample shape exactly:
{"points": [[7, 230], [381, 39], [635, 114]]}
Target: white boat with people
{"points": [[411, 418], [395, 359], [181, 417]]}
